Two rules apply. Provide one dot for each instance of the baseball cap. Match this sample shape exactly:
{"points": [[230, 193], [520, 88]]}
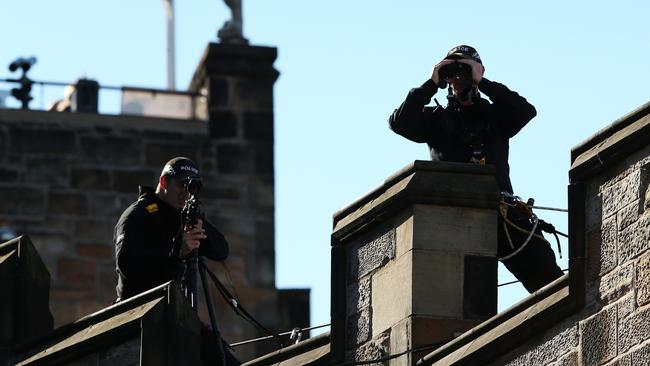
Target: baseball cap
{"points": [[464, 51], [182, 168]]}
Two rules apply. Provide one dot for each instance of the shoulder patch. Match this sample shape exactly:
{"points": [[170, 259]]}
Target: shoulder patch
{"points": [[152, 208]]}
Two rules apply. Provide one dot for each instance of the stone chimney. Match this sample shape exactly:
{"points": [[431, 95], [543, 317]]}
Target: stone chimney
{"points": [[414, 261]]}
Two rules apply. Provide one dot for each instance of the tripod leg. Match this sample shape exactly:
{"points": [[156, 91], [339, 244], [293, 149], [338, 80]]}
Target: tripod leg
{"points": [[213, 319]]}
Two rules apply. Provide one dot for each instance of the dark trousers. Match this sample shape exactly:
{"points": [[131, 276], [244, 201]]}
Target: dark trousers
{"points": [[535, 265]]}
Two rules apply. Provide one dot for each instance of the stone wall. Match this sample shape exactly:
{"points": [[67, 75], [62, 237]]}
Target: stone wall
{"points": [[67, 177], [614, 326]]}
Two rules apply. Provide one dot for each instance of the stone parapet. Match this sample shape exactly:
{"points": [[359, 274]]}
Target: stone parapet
{"points": [[413, 262]]}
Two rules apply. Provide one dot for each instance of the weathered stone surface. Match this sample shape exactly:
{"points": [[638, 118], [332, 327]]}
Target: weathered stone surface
{"points": [[359, 327], [263, 156], [96, 251], [223, 124], [392, 294], [607, 256], [545, 350], [127, 181], [8, 174], [358, 296], [111, 150], [110, 205], [66, 203], [598, 337], [234, 159], [628, 215], [635, 239], [46, 171], [90, 178], [624, 360], [377, 348], [570, 359], [625, 307], [634, 330], [617, 283], [369, 255], [77, 273], [641, 356], [258, 126], [22, 200], [157, 154], [94, 231], [49, 141], [446, 228], [219, 92], [255, 93], [621, 193], [643, 280]]}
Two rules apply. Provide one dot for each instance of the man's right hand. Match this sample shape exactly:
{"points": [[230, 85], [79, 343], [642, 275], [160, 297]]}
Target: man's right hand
{"points": [[192, 238], [435, 74]]}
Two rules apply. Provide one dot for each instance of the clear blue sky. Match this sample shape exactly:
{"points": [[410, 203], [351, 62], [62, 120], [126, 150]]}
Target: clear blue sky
{"points": [[345, 65]]}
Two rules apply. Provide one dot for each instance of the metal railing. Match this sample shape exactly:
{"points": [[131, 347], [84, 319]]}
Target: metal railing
{"points": [[90, 97]]}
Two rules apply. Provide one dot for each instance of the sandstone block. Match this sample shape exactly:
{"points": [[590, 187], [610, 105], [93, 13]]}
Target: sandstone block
{"points": [[67, 203], [111, 150], [53, 172], [48, 141], [258, 126], [77, 273], [90, 178], [378, 347], [95, 231], [127, 181], [621, 193], [598, 337], [22, 200], [643, 280], [607, 254], [219, 92], [446, 229], [634, 330], [617, 283], [358, 295], [157, 153], [628, 215], [570, 359], [635, 239], [234, 159], [263, 158], [359, 327], [371, 253], [223, 124]]}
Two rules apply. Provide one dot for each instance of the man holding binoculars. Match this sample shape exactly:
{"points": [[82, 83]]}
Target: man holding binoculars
{"points": [[471, 129]]}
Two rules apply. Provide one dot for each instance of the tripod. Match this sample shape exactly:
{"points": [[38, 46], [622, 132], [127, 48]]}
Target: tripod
{"points": [[195, 271], [190, 282]]}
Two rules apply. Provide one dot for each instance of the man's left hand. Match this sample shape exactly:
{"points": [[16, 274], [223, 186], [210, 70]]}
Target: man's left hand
{"points": [[477, 69]]}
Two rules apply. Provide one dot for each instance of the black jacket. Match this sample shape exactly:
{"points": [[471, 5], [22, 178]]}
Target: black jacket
{"points": [[451, 133], [146, 248]]}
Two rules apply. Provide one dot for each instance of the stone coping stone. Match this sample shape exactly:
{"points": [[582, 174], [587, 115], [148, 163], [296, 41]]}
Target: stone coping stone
{"points": [[245, 60], [611, 144], [130, 319], [93, 120], [428, 182]]}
